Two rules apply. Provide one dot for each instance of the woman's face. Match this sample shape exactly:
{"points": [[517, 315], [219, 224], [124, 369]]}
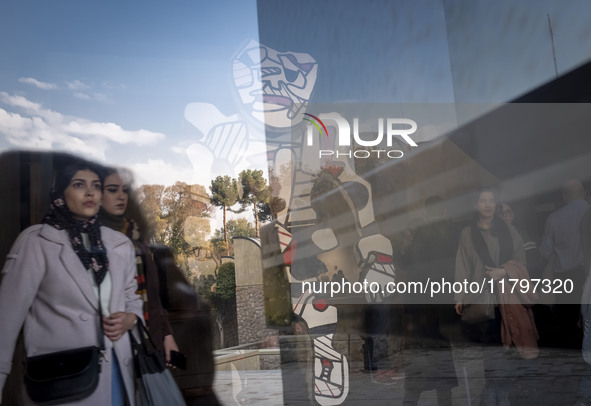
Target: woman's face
{"points": [[115, 195], [486, 205], [83, 194], [507, 213]]}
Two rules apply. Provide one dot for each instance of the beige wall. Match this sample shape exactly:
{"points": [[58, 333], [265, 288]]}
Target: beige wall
{"points": [[247, 259]]}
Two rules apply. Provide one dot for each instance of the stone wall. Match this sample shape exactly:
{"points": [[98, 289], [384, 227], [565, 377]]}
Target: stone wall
{"points": [[250, 311], [250, 305]]}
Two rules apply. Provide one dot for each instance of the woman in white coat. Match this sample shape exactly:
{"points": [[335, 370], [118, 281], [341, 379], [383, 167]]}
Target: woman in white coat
{"points": [[51, 283]]}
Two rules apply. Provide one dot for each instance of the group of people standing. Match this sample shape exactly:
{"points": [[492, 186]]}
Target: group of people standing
{"points": [[500, 321], [84, 276]]}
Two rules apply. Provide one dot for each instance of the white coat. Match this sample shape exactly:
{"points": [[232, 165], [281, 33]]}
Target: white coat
{"points": [[46, 287]]}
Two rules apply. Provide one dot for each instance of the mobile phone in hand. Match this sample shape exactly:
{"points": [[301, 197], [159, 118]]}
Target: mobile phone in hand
{"points": [[178, 360]]}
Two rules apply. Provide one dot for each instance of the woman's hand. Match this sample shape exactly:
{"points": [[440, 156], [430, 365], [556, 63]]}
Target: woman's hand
{"points": [[496, 273], [169, 344], [118, 324], [459, 308]]}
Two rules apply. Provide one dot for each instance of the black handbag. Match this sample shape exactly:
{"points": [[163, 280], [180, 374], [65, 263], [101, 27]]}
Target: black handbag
{"points": [[154, 382], [65, 376]]}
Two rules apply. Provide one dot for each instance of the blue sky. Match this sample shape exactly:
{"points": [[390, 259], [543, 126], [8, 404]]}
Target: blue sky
{"points": [[111, 80]]}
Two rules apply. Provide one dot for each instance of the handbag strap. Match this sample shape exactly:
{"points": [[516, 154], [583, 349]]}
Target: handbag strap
{"points": [[143, 333], [101, 328]]}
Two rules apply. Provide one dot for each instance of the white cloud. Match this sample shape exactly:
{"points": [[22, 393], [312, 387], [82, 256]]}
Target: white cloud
{"points": [[31, 108], [112, 132], [38, 83], [77, 85], [81, 91], [82, 96], [179, 150], [37, 134], [101, 97], [20, 101], [40, 128], [156, 171]]}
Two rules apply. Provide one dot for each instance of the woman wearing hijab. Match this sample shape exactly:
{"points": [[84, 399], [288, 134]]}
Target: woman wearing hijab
{"points": [[115, 214], [54, 278], [489, 251]]}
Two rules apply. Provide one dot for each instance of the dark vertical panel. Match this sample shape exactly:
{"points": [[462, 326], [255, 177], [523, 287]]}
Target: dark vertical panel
{"points": [[40, 174], [10, 220], [10, 209]]}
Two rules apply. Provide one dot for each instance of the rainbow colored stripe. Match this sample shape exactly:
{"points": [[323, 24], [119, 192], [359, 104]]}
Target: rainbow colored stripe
{"points": [[315, 124]]}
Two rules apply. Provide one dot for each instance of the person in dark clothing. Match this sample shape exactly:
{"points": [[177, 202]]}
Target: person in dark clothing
{"points": [[562, 243], [114, 214], [431, 255], [485, 249]]}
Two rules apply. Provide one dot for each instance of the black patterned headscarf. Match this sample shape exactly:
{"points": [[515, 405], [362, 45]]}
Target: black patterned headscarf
{"points": [[60, 217]]}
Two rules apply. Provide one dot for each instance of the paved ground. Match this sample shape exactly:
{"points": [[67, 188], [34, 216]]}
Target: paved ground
{"points": [[556, 377]]}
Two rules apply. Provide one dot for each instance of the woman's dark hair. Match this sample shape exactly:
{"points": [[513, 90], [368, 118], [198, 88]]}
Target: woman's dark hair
{"points": [[134, 210], [66, 172], [498, 229], [481, 190], [124, 173]]}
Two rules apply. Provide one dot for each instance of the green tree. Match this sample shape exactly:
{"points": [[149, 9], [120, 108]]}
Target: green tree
{"points": [[255, 192], [225, 282], [224, 194], [179, 202], [196, 231], [223, 295], [276, 203], [150, 200], [219, 248], [239, 227], [203, 286], [168, 208]]}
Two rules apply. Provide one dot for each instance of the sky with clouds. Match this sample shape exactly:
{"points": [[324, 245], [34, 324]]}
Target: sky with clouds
{"points": [[111, 81], [114, 81]]}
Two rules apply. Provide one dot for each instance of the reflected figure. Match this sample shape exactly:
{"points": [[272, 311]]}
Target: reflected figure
{"points": [[274, 88], [72, 283], [431, 254], [190, 317], [376, 319], [545, 322], [336, 206], [489, 249], [115, 215], [535, 262], [562, 244], [164, 290], [505, 212]]}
